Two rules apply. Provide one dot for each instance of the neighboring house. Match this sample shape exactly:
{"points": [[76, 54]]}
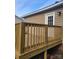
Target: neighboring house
{"points": [[18, 19], [51, 15]]}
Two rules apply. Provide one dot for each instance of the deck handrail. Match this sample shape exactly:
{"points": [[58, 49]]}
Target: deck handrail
{"points": [[38, 24]]}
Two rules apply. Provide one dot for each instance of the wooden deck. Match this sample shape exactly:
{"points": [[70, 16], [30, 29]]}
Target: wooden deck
{"points": [[32, 39]]}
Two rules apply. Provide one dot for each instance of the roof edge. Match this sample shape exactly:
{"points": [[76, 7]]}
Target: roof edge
{"points": [[45, 8], [20, 18]]}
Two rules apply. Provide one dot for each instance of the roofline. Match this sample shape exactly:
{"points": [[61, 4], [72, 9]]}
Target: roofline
{"points": [[43, 9], [20, 18]]}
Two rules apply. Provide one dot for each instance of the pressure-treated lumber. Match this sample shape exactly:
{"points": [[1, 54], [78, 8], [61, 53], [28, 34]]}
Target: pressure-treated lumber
{"points": [[32, 39]]}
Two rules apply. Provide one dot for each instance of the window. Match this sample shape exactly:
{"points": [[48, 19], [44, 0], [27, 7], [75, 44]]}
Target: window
{"points": [[50, 20]]}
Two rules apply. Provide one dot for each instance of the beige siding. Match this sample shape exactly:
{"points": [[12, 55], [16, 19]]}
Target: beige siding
{"points": [[59, 19], [58, 22], [40, 18], [50, 33]]}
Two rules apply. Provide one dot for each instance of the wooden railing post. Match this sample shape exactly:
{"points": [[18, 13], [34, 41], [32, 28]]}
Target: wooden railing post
{"points": [[46, 34], [22, 37], [46, 41]]}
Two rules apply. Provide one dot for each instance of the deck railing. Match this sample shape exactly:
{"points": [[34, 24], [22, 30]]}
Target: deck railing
{"points": [[30, 36]]}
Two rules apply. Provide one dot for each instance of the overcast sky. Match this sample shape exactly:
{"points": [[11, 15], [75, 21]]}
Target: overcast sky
{"points": [[23, 7]]}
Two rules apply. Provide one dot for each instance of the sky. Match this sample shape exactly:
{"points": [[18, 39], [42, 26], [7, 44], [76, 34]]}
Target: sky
{"points": [[23, 7]]}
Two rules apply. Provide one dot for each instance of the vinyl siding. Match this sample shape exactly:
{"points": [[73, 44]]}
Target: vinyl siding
{"points": [[40, 18]]}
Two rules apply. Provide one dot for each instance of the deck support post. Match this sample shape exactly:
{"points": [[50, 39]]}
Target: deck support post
{"points": [[22, 37], [45, 54]]}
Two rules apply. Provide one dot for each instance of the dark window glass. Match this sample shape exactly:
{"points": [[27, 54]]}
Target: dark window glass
{"points": [[50, 20]]}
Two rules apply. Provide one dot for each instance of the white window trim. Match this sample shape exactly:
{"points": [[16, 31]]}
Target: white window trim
{"points": [[50, 14]]}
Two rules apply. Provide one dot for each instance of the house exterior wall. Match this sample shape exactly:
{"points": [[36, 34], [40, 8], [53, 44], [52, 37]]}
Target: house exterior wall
{"points": [[59, 19], [40, 18]]}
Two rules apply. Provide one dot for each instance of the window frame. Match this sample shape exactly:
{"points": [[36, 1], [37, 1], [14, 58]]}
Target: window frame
{"points": [[50, 14]]}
